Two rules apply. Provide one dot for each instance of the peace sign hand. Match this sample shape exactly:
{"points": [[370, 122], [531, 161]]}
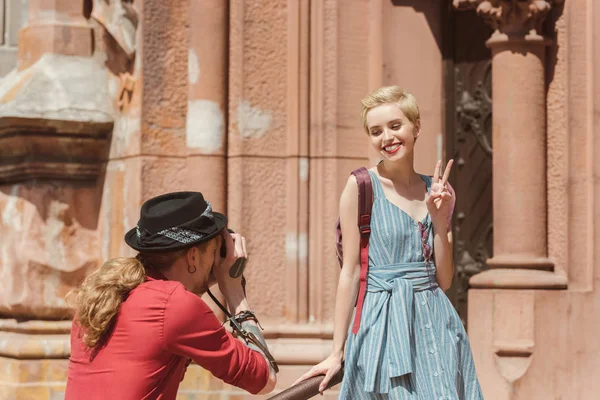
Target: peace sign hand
{"points": [[440, 198]]}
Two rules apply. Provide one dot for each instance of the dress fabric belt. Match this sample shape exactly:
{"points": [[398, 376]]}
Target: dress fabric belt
{"points": [[391, 307]]}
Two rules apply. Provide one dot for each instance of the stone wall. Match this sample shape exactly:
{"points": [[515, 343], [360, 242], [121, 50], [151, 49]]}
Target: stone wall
{"points": [[256, 104]]}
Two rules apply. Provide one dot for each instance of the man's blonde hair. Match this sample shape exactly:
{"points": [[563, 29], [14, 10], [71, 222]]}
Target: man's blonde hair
{"points": [[391, 94], [98, 299]]}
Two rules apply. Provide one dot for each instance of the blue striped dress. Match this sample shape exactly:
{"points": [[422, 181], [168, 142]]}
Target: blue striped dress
{"points": [[411, 343]]}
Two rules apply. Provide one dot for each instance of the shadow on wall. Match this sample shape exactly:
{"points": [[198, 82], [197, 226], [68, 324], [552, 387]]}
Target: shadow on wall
{"points": [[551, 31], [431, 9]]}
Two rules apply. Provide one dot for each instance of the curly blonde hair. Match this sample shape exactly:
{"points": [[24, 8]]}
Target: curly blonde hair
{"points": [[98, 299], [390, 94]]}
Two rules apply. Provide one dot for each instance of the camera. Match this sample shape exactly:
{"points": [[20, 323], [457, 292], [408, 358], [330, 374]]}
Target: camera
{"points": [[237, 269]]}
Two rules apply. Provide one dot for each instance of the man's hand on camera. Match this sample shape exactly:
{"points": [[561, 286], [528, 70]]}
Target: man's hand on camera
{"points": [[231, 288]]}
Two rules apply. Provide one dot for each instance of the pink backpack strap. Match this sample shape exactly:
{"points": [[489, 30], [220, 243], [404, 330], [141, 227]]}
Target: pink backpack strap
{"points": [[365, 204]]}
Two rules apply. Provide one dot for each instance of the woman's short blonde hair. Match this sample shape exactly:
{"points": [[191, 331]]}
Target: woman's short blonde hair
{"points": [[391, 94]]}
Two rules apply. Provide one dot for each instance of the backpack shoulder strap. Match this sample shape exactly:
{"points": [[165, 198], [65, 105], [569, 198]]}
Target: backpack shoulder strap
{"points": [[365, 204], [365, 197]]}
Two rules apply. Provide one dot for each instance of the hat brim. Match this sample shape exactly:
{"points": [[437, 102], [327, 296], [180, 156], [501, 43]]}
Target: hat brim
{"points": [[132, 240]]}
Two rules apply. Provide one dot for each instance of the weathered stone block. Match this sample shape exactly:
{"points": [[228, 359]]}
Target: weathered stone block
{"points": [[49, 242], [55, 120]]}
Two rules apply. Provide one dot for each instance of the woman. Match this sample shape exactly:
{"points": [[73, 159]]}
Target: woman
{"points": [[411, 343], [138, 321]]}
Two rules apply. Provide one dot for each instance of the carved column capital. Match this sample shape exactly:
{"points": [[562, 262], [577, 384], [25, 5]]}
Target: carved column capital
{"points": [[512, 19]]}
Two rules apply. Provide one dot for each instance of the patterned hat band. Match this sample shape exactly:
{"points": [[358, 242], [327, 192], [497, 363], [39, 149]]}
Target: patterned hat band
{"points": [[181, 235]]}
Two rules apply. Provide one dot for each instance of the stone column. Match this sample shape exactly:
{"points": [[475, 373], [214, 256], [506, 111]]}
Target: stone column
{"points": [[207, 98], [519, 139], [206, 125], [502, 323]]}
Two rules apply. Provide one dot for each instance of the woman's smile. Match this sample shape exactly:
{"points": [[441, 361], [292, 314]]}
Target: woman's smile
{"points": [[392, 148]]}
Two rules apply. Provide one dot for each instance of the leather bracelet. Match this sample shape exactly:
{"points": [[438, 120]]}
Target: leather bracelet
{"points": [[246, 315]]}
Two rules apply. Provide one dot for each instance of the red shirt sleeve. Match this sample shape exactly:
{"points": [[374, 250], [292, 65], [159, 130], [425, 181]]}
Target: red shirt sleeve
{"points": [[191, 329]]}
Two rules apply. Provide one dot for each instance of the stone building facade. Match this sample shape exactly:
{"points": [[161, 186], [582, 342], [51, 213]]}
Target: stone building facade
{"points": [[105, 103]]}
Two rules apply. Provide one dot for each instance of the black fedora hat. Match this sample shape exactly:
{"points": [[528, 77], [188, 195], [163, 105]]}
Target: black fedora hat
{"points": [[175, 221]]}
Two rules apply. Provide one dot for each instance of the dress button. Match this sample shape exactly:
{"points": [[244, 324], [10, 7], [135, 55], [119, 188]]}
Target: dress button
{"points": [[423, 302], [436, 374], [428, 325], [432, 351]]}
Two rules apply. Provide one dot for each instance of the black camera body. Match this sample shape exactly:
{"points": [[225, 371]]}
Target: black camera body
{"points": [[237, 269]]}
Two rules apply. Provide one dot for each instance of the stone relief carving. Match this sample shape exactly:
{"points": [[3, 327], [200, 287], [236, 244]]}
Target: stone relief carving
{"points": [[474, 111], [120, 21]]}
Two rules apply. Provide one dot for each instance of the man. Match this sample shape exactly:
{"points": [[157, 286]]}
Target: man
{"points": [[138, 321]]}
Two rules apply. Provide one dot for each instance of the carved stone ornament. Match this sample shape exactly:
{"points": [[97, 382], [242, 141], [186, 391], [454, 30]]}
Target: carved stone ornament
{"points": [[120, 19], [511, 17], [474, 112]]}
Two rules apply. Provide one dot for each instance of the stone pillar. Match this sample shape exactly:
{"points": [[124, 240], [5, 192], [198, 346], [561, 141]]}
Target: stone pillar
{"points": [[206, 126], [55, 119], [519, 136], [207, 98], [504, 321]]}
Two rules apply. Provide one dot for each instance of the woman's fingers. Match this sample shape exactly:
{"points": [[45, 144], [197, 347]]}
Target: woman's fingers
{"points": [[326, 380], [447, 172], [436, 174], [314, 371], [433, 197]]}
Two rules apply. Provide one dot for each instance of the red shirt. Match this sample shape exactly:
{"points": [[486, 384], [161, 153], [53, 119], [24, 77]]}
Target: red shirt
{"points": [[158, 328]]}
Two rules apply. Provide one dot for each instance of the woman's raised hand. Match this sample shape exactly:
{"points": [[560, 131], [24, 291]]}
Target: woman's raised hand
{"points": [[440, 197]]}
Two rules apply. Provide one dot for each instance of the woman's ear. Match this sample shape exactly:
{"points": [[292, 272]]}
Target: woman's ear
{"points": [[417, 130]]}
